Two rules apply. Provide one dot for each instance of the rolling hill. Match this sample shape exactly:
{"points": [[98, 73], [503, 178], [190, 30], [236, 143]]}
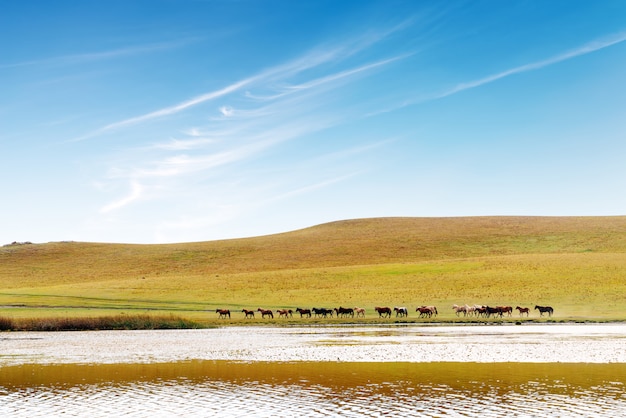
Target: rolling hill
{"points": [[576, 263]]}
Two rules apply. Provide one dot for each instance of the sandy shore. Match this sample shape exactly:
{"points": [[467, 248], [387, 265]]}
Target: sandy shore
{"points": [[476, 343]]}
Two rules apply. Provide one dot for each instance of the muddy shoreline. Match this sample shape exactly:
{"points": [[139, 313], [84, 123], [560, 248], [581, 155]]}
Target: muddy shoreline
{"points": [[571, 343]]}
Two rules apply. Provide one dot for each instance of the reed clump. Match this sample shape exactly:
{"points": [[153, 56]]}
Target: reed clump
{"points": [[6, 324], [114, 322]]}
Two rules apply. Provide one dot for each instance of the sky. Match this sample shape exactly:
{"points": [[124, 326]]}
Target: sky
{"points": [[164, 121]]}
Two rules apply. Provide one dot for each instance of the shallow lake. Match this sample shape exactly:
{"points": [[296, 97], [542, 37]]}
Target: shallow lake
{"points": [[538, 370]]}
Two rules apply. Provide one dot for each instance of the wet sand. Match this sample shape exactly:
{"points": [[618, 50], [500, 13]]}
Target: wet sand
{"points": [[472, 343]]}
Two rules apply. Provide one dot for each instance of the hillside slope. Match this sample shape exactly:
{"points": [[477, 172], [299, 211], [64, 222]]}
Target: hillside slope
{"points": [[342, 243], [576, 263]]}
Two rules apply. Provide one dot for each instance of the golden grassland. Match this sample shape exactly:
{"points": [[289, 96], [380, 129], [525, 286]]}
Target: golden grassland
{"points": [[575, 264]]}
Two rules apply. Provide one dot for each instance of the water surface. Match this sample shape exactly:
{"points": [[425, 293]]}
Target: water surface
{"points": [[492, 371], [225, 388]]}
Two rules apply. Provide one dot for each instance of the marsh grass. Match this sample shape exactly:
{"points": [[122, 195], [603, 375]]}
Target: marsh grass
{"points": [[117, 322], [575, 264]]}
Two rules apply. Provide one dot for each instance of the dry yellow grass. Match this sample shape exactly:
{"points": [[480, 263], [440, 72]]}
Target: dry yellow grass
{"points": [[576, 264]]}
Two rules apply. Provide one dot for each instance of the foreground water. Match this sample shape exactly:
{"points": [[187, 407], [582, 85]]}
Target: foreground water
{"points": [[317, 372]]}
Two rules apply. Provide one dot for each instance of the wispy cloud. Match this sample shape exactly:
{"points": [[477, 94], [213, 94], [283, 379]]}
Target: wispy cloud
{"points": [[72, 59], [135, 193], [314, 58], [246, 129], [344, 74], [169, 110], [588, 48], [184, 144]]}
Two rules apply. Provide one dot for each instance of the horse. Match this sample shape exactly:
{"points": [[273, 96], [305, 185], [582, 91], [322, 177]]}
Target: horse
{"points": [[495, 311], [360, 312], [481, 311], [544, 309], [249, 314], [266, 312], [223, 313], [401, 311], [323, 312], [505, 310], [383, 311], [304, 312], [285, 312], [458, 309], [433, 309], [344, 311], [426, 311], [523, 310]]}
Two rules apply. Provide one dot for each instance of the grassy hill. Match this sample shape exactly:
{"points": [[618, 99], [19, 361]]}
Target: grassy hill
{"points": [[575, 264]]}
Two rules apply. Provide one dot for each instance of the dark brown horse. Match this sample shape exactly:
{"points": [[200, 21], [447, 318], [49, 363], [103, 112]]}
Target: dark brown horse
{"points": [[492, 311], [223, 313], [523, 311], [544, 309], [344, 311], [304, 312], [383, 311], [249, 314], [480, 311], [323, 312], [266, 312]]}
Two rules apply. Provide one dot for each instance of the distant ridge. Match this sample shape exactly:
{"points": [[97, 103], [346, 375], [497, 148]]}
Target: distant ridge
{"points": [[340, 243]]}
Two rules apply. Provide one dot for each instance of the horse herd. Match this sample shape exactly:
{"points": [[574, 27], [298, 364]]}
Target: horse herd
{"points": [[487, 311], [308, 313], [386, 312]]}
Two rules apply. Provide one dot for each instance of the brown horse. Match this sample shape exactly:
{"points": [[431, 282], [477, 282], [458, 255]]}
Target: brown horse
{"points": [[523, 311], [505, 310], [360, 312], [266, 312], [223, 313], [426, 311], [285, 312], [383, 311], [304, 312], [249, 314]]}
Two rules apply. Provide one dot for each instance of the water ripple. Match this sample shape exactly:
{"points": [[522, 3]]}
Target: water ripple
{"points": [[218, 398]]}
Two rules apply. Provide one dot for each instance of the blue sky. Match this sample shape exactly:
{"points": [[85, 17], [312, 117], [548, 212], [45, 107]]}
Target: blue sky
{"points": [[172, 121]]}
